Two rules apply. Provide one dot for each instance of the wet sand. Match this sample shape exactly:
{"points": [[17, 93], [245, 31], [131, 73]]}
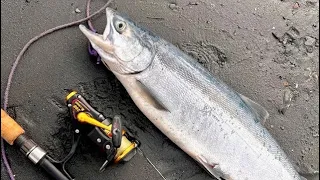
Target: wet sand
{"points": [[266, 50]]}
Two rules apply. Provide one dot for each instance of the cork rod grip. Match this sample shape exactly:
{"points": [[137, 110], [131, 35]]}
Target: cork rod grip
{"points": [[10, 129]]}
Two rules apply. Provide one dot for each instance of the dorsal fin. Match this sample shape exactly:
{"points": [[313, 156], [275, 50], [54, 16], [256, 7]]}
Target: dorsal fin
{"points": [[260, 111], [309, 176]]}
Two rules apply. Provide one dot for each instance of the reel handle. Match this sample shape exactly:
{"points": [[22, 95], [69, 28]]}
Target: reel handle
{"points": [[116, 130]]}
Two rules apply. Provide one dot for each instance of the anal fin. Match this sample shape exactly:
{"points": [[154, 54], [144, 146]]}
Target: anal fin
{"points": [[211, 168]]}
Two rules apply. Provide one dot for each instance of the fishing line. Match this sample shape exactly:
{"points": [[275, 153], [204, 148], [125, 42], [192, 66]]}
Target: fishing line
{"points": [[141, 153], [92, 51], [16, 62]]}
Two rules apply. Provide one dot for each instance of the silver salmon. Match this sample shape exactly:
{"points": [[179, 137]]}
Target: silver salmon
{"points": [[218, 127]]}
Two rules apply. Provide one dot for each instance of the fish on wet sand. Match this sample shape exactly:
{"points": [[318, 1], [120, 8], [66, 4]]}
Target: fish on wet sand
{"points": [[218, 127]]}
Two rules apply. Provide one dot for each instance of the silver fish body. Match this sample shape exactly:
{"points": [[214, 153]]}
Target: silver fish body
{"points": [[212, 123]]}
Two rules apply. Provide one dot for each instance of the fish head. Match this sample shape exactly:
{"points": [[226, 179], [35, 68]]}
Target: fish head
{"points": [[123, 47]]}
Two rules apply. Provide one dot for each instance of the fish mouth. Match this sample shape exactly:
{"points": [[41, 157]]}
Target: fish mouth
{"points": [[98, 40]]}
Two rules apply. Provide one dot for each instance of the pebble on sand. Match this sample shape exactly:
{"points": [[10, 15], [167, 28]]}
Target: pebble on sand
{"points": [[310, 41], [296, 5], [77, 10], [173, 6]]}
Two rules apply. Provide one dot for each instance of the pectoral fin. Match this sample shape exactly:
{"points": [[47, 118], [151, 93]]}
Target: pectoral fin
{"points": [[260, 111], [148, 97]]}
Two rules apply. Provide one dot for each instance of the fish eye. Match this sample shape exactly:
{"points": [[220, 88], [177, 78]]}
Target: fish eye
{"points": [[120, 26]]}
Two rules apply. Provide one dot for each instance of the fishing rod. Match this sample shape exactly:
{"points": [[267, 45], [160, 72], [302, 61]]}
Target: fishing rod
{"points": [[115, 143], [14, 134]]}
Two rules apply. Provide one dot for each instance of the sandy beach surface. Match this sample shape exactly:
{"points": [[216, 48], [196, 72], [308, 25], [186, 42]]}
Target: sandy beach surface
{"points": [[266, 50]]}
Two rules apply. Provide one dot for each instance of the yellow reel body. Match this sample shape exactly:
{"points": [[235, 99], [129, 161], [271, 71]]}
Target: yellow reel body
{"points": [[84, 113]]}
